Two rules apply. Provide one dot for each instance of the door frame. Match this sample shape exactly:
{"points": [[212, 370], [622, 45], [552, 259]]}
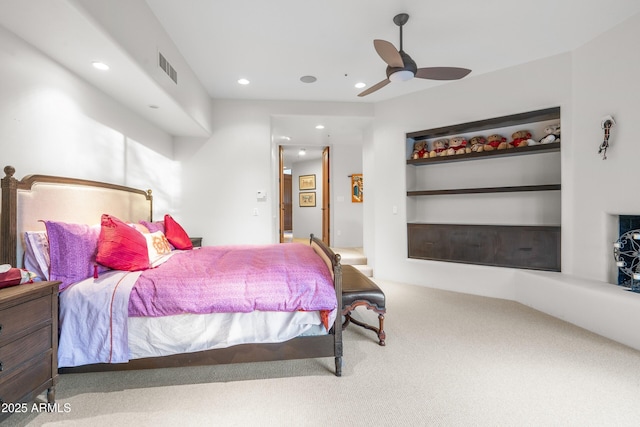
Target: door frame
{"points": [[281, 190], [326, 195], [326, 211]]}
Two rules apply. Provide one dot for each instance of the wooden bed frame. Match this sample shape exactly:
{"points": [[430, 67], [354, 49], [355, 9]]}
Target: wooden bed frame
{"points": [[13, 223]]}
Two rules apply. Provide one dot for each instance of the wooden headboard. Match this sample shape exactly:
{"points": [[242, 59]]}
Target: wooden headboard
{"points": [[26, 202]]}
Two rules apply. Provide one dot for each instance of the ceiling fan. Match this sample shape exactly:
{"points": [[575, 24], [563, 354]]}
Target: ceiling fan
{"points": [[401, 67]]}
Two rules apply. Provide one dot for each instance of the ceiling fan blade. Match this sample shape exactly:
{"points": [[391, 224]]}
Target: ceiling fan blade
{"points": [[388, 53], [442, 73], [375, 87]]}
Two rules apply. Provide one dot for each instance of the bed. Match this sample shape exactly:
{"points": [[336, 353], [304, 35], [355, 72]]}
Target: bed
{"points": [[297, 328]]}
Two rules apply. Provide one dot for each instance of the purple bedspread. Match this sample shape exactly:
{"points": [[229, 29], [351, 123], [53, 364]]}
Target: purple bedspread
{"points": [[220, 279]]}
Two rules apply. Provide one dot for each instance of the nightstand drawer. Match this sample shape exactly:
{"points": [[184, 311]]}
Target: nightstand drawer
{"points": [[28, 342], [24, 318], [13, 354], [31, 378]]}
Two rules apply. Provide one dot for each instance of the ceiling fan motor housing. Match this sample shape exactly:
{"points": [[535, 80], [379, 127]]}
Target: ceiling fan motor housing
{"points": [[409, 65]]}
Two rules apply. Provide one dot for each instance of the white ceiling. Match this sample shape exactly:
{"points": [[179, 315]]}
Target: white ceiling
{"points": [[273, 43]]}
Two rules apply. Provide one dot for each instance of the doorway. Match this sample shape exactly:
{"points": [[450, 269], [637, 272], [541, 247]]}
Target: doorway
{"points": [[308, 205]]}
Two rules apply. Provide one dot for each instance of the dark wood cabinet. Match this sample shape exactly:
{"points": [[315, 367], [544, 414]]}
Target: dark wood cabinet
{"points": [[28, 342], [531, 247], [520, 246]]}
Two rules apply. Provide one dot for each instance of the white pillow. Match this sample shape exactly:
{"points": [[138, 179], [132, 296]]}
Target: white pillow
{"points": [[158, 247], [36, 253]]}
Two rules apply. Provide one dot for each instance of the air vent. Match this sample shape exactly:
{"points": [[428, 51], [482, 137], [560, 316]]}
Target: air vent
{"points": [[164, 64]]}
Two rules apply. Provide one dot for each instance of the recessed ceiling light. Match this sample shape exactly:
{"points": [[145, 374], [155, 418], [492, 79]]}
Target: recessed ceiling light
{"points": [[308, 79], [360, 85], [100, 65], [320, 127], [302, 152], [244, 81]]}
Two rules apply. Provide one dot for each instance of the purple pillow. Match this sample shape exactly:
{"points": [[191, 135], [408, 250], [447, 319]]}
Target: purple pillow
{"points": [[153, 226], [72, 251]]}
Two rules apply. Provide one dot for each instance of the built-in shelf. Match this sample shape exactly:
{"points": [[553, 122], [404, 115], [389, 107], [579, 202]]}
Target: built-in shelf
{"points": [[537, 149], [519, 245], [513, 189]]}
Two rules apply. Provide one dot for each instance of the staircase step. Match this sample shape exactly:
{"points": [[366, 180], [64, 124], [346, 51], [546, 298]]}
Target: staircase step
{"points": [[353, 260], [365, 269], [354, 257], [350, 256]]}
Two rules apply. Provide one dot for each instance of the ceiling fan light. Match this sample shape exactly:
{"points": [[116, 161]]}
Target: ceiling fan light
{"points": [[401, 76]]}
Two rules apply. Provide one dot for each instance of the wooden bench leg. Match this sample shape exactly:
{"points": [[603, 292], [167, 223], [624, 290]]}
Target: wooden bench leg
{"points": [[382, 336], [379, 331]]}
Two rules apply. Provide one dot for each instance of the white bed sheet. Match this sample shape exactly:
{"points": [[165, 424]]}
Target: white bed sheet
{"points": [[187, 333]]}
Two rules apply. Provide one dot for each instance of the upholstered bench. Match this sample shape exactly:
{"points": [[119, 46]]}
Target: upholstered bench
{"points": [[358, 290]]}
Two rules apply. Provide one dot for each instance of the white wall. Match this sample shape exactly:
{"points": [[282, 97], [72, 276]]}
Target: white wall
{"points": [[347, 221], [52, 122], [605, 81], [221, 174]]}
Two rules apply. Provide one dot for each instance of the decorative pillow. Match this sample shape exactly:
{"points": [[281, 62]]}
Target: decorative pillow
{"points": [[121, 246], [156, 226], [176, 234], [153, 226], [157, 246], [140, 227], [72, 251], [36, 253]]}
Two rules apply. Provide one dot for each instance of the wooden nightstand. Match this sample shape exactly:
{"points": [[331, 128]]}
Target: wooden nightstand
{"points": [[28, 342]]}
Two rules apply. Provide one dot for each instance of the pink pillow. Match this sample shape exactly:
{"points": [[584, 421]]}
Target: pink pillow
{"points": [[121, 246], [72, 251], [176, 234]]}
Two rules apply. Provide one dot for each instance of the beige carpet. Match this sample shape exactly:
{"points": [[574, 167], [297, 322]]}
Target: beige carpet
{"points": [[450, 360]]}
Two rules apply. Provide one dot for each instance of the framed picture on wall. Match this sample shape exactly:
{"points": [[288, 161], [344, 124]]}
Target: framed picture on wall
{"points": [[307, 182], [308, 199], [357, 190]]}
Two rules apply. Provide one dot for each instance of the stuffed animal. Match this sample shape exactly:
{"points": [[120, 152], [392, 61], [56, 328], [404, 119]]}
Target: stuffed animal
{"points": [[440, 147], [552, 134], [420, 150], [458, 145], [495, 142], [477, 144], [521, 138]]}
